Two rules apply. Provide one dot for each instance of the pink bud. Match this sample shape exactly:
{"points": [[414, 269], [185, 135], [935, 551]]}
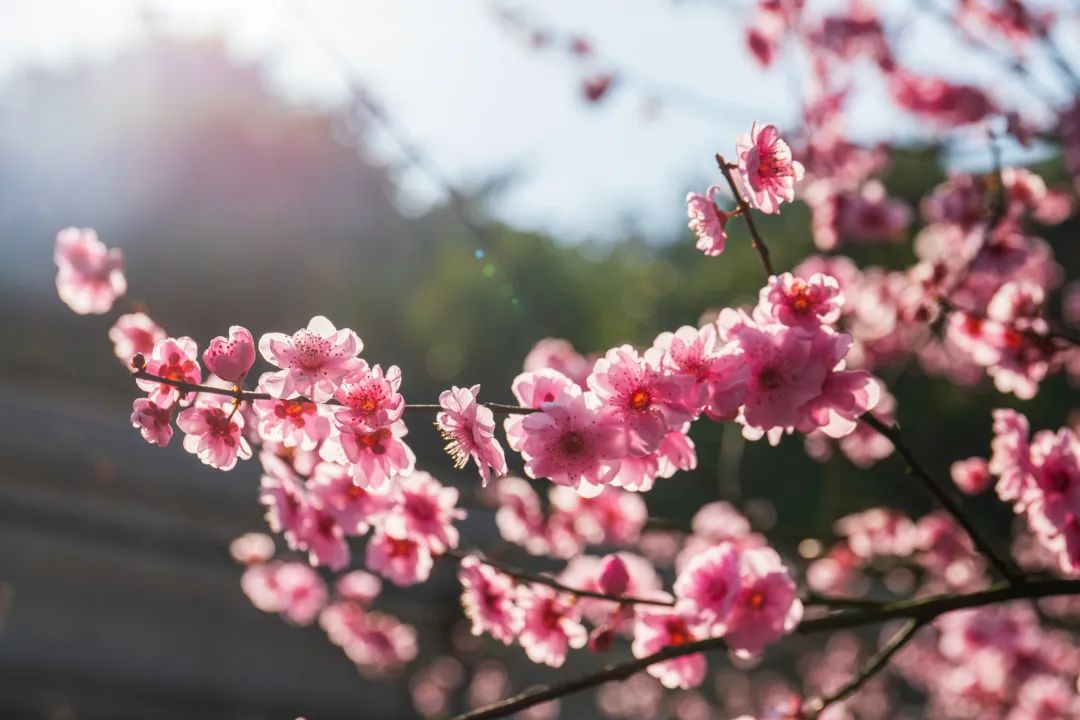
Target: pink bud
{"points": [[972, 476], [601, 638], [614, 577], [230, 359]]}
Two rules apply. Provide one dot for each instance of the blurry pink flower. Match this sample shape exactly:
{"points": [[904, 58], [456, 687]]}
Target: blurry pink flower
{"points": [[636, 390], [612, 517], [294, 423], [972, 475], [314, 361], [428, 511], [134, 334], [767, 606], [715, 366], [231, 358], [532, 389], [370, 399], [213, 433], [323, 538], [595, 87], [613, 577], [658, 627], [488, 599], [358, 586], [172, 359], [941, 101], [469, 429], [799, 303], [870, 215], [559, 355], [519, 517], [377, 456], [292, 589], [707, 221], [878, 532], [707, 586], [573, 442], [549, 624], [379, 644], [397, 557], [252, 548], [286, 506], [90, 276], [155, 423], [767, 170], [354, 508]]}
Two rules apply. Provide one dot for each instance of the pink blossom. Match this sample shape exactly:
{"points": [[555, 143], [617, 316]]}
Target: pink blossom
{"points": [[549, 624], [359, 587], [799, 303], [636, 390], [612, 517], [878, 531], [715, 366], [1045, 697], [370, 398], [558, 355], [532, 389], [871, 215], [323, 538], [573, 442], [614, 577], [945, 103], [658, 627], [768, 172], [378, 643], [314, 361], [972, 475], [294, 423], [90, 276], [172, 359], [519, 517], [428, 510], [354, 508], [231, 358], [767, 606], [292, 589], [469, 429], [707, 586], [214, 433], [252, 549], [397, 557], [134, 334], [707, 221], [286, 506], [155, 423], [488, 599], [376, 457]]}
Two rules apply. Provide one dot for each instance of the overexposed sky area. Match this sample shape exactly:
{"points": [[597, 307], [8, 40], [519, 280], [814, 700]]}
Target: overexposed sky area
{"points": [[472, 93]]}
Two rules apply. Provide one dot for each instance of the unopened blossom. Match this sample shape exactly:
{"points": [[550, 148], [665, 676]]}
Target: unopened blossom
{"points": [[294, 423], [972, 475], [767, 606], [620, 574], [549, 624], [376, 457], [707, 221], [90, 276], [707, 586], [767, 169], [214, 433], [134, 334], [396, 556], [231, 358], [314, 361], [252, 548], [657, 627], [469, 429], [488, 599], [647, 400], [370, 399], [154, 422], [428, 510], [799, 303], [572, 441], [358, 586], [292, 589], [172, 359], [332, 489]]}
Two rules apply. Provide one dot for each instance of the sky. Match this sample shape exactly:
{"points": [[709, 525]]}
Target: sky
{"points": [[470, 91]]}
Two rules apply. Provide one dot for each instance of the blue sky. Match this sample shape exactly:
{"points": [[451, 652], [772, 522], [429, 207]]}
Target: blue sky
{"points": [[472, 94]]}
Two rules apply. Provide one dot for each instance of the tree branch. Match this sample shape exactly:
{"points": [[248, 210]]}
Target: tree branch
{"points": [[745, 211], [922, 610]]}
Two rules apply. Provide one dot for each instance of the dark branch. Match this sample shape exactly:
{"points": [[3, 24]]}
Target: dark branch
{"points": [[747, 215]]}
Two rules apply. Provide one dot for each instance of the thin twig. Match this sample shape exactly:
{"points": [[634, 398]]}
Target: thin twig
{"points": [[892, 432], [872, 667], [248, 395], [526, 576], [923, 610], [747, 215]]}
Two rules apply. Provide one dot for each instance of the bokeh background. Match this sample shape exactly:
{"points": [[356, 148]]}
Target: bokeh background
{"points": [[233, 154]]}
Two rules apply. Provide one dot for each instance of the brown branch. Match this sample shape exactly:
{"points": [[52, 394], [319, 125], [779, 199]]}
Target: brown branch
{"points": [[892, 432], [747, 215], [922, 610], [872, 667]]}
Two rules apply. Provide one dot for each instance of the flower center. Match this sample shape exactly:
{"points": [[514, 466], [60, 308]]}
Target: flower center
{"points": [[640, 400], [800, 297], [770, 378], [572, 443], [311, 350], [677, 632], [401, 548], [756, 600]]}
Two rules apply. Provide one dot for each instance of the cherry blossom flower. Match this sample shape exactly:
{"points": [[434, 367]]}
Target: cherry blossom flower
{"points": [[972, 475], [322, 537], [558, 355], [358, 586], [707, 586], [377, 457], [877, 532], [155, 423], [314, 361], [292, 589], [767, 605], [707, 221], [799, 303], [379, 644], [252, 549], [213, 433], [767, 170], [294, 423], [353, 507], [172, 359], [488, 598], [573, 442], [549, 624], [715, 365], [370, 398], [397, 557], [90, 276], [870, 215], [134, 334], [428, 510], [612, 517], [469, 429], [286, 502], [658, 627], [231, 358], [938, 100]]}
